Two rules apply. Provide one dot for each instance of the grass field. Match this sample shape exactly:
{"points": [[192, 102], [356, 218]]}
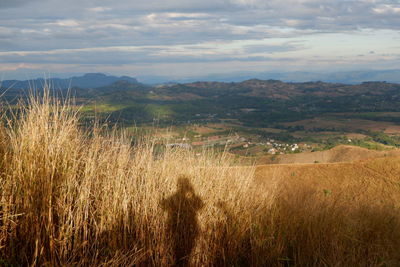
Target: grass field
{"points": [[342, 153], [75, 197]]}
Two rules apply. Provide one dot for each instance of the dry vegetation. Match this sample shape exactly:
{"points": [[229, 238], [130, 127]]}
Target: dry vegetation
{"points": [[70, 196], [340, 153]]}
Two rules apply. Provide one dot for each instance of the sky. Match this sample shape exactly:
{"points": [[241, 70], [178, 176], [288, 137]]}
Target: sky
{"points": [[184, 38]]}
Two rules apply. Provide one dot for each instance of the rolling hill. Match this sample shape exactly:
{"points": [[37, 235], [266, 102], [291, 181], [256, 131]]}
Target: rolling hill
{"points": [[339, 153]]}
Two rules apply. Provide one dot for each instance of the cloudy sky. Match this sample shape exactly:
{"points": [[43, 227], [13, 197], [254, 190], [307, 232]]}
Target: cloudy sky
{"points": [[182, 38]]}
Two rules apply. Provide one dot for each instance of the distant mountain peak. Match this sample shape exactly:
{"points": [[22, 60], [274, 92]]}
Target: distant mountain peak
{"points": [[94, 75]]}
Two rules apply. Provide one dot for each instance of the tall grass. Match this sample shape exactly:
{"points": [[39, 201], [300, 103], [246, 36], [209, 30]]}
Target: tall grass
{"points": [[70, 196]]}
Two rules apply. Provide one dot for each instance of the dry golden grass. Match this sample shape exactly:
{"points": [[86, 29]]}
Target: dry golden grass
{"points": [[75, 197], [342, 214], [340, 153]]}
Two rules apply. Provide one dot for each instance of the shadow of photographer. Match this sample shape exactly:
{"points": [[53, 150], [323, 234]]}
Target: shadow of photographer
{"points": [[182, 225]]}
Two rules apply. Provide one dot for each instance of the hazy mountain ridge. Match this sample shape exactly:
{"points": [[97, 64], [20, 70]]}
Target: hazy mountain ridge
{"points": [[88, 80], [347, 77], [93, 80]]}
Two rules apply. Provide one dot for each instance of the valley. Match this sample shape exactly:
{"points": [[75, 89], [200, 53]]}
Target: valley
{"points": [[253, 118]]}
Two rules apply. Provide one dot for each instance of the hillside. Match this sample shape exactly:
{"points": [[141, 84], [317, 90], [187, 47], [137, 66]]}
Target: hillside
{"points": [[384, 170], [252, 103], [259, 103], [72, 196], [339, 153]]}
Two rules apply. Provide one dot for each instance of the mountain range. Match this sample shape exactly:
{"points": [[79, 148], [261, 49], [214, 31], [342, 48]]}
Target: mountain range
{"points": [[346, 77], [252, 103], [88, 80], [94, 80]]}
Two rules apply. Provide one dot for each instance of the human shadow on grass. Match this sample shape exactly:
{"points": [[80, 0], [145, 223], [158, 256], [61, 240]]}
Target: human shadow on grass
{"points": [[182, 225]]}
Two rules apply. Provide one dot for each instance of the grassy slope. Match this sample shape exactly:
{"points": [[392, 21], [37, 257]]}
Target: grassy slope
{"points": [[385, 171], [330, 206], [69, 197], [341, 153]]}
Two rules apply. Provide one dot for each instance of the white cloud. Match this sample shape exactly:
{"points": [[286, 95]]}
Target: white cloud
{"points": [[66, 23], [98, 9], [387, 9]]}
